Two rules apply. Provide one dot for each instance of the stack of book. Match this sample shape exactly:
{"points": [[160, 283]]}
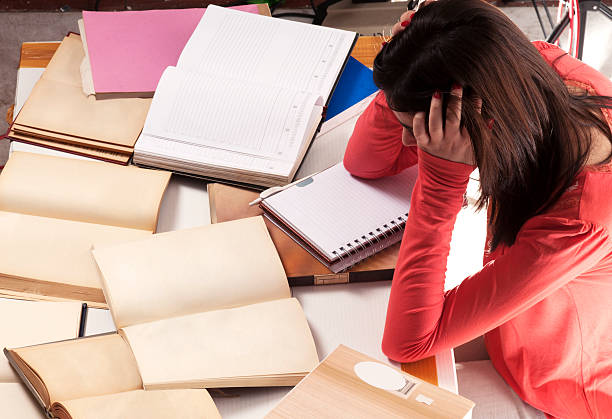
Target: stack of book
{"points": [[92, 99]]}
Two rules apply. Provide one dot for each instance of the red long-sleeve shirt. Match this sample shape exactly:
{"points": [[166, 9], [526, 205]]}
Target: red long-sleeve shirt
{"points": [[544, 303]]}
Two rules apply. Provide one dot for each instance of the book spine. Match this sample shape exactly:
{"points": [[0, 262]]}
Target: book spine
{"points": [[342, 278], [355, 254], [368, 244]]}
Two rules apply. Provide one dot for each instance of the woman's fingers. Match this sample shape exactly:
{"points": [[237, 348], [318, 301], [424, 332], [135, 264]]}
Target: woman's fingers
{"points": [[419, 130], [436, 129], [403, 21], [453, 110]]}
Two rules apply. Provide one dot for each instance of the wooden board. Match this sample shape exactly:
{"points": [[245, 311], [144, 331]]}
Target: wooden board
{"points": [[37, 54], [366, 48], [339, 388]]}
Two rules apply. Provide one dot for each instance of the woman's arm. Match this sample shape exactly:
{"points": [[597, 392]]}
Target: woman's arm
{"points": [[375, 149], [423, 320]]}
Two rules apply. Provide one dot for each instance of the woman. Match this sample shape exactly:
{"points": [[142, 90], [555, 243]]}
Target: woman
{"points": [[463, 84]]}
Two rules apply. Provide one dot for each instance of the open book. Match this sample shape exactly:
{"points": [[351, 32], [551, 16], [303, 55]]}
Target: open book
{"points": [[53, 209], [349, 384], [58, 115], [206, 307], [96, 378], [29, 323], [243, 105]]}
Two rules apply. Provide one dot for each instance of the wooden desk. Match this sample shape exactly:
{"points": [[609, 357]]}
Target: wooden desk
{"points": [[352, 314]]}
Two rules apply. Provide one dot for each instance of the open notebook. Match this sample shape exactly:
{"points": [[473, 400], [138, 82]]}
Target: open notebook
{"points": [[349, 384], [206, 307], [53, 209], [341, 219], [243, 105]]}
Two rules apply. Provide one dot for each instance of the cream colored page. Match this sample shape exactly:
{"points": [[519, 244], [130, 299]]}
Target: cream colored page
{"points": [[80, 190], [53, 250], [57, 103], [140, 404], [17, 403], [30, 323], [83, 367], [61, 67], [270, 338], [85, 67], [189, 271]]}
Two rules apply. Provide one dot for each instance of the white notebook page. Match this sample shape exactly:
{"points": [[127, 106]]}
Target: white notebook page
{"points": [[280, 52], [330, 143], [336, 209], [211, 111]]}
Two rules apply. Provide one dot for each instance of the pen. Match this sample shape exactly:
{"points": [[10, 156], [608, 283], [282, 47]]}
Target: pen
{"points": [[83, 320], [276, 189]]}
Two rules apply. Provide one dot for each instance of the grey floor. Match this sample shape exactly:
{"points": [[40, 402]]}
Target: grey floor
{"points": [[16, 28]]}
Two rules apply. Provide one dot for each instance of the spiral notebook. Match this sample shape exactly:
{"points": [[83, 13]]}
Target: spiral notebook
{"points": [[341, 219]]}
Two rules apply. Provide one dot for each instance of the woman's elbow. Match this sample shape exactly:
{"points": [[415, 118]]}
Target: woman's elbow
{"points": [[398, 349]]}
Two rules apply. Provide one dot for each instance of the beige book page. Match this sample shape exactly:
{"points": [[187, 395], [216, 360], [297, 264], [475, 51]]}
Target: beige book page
{"points": [[140, 404], [81, 190], [97, 153], [30, 323], [57, 103], [270, 338], [189, 271], [17, 403], [53, 250], [68, 139], [83, 367]]}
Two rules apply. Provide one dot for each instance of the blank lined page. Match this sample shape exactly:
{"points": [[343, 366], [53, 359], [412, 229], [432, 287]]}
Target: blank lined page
{"points": [[336, 208], [228, 114], [287, 54]]}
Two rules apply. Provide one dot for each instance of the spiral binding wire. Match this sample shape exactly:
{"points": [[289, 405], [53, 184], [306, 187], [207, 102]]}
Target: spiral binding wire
{"points": [[372, 238]]}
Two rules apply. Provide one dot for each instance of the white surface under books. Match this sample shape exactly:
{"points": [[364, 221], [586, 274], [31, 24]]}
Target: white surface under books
{"points": [[352, 314]]}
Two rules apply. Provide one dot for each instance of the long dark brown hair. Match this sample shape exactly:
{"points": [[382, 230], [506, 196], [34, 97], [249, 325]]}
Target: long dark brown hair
{"points": [[541, 132]]}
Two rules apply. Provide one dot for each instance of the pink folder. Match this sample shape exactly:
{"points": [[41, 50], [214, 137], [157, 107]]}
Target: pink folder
{"points": [[129, 51]]}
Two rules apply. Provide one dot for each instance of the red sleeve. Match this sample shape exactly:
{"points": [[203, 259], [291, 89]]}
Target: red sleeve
{"points": [[422, 320], [375, 149]]}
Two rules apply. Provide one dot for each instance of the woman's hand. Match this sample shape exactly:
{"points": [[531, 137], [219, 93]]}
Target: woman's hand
{"points": [[406, 17], [403, 21], [448, 141]]}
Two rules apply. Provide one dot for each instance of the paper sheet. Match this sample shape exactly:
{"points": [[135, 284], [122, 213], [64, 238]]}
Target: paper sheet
{"points": [[270, 50]]}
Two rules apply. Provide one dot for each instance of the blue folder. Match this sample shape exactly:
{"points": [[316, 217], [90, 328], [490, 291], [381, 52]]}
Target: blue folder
{"points": [[356, 83]]}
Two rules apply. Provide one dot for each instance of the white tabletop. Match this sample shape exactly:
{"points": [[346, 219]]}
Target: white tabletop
{"points": [[351, 314]]}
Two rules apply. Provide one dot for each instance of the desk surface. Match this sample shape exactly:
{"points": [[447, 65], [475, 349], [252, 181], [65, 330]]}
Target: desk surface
{"points": [[352, 314]]}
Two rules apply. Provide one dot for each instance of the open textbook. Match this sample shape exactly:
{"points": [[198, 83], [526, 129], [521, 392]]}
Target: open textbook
{"points": [[58, 115], [205, 307], [243, 105], [96, 378], [53, 209], [30, 323]]}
